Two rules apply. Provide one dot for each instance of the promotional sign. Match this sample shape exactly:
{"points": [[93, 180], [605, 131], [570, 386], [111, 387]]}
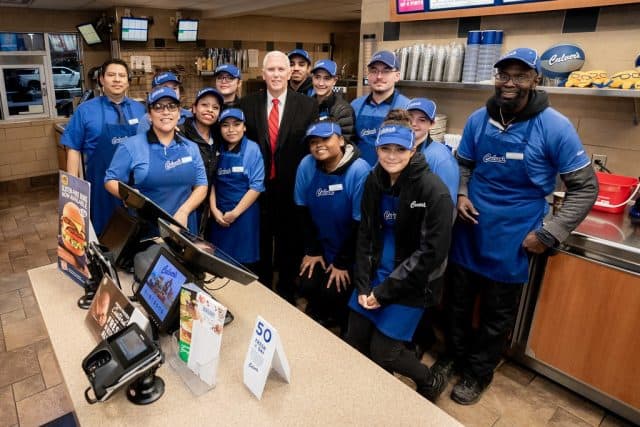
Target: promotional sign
{"points": [[265, 352], [201, 323], [111, 311], [419, 6], [73, 208]]}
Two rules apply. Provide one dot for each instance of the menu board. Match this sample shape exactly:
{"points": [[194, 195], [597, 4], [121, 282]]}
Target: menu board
{"points": [[412, 6]]}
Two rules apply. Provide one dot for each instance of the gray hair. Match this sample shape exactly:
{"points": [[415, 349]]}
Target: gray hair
{"points": [[275, 54]]}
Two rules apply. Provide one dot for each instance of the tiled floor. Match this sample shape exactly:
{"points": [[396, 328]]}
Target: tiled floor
{"points": [[31, 387]]}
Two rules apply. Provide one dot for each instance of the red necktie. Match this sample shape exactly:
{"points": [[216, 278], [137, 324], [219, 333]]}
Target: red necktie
{"points": [[274, 125]]}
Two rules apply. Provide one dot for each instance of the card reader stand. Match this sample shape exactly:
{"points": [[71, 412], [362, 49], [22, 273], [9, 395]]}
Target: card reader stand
{"points": [[91, 283], [146, 389]]}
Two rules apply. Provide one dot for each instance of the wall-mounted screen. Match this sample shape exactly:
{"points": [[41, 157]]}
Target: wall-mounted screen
{"points": [[89, 34], [187, 30], [134, 29]]}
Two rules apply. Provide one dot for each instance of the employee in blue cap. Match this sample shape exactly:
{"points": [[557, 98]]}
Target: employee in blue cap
{"points": [[383, 72], [438, 156], [201, 129], [161, 164], [228, 81], [324, 77], [300, 80], [403, 241], [328, 190], [510, 154], [170, 80], [95, 130], [238, 181]]}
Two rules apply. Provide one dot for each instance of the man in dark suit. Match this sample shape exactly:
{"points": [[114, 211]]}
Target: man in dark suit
{"points": [[277, 120]]}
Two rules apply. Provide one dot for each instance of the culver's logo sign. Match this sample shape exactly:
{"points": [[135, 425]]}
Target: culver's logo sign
{"points": [[321, 192], [555, 59], [367, 132], [494, 158], [415, 204]]}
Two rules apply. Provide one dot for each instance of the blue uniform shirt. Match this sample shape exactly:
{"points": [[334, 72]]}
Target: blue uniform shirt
{"points": [[553, 147], [166, 175], [333, 200], [442, 163], [85, 126]]}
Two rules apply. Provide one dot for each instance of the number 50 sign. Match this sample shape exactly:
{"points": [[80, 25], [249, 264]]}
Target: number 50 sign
{"points": [[265, 352]]}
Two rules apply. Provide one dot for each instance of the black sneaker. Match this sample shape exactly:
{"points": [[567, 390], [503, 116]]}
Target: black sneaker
{"points": [[433, 389], [468, 390], [445, 367]]}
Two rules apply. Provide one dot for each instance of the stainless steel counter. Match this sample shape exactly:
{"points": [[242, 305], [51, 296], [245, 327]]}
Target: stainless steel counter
{"points": [[610, 238]]}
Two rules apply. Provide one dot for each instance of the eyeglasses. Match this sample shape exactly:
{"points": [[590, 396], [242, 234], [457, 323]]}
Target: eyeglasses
{"points": [[225, 78], [170, 107], [384, 72], [519, 79]]}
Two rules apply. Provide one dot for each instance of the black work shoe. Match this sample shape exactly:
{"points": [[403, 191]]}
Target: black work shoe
{"points": [[468, 390], [433, 389], [445, 367]]}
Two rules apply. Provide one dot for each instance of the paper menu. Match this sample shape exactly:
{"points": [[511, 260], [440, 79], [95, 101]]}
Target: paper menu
{"points": [[201, 325]]}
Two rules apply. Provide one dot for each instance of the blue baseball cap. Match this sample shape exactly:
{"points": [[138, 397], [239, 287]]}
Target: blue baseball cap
{"points": [[234, 113], [209, 91], [427, 106], [386, 57], [162, 92], [528, 57], [327, 65], [323, 130], [395, 134], [230, 69], [300, 52], [165, 77]]}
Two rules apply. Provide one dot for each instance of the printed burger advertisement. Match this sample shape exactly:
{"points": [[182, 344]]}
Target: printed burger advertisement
{"points": [[73, 208]]}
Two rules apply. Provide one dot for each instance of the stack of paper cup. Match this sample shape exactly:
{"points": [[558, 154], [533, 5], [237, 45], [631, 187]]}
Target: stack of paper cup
{"points": [[471, 56], [486, 55]]}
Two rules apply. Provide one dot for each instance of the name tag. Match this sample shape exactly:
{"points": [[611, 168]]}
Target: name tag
{"points": [[514, 156], [133, 121], [335, 187], [187, 159], [237, 169]]}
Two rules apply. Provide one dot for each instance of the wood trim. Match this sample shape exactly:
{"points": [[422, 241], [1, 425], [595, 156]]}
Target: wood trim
{"points": [[586, 325], [542, 6]]}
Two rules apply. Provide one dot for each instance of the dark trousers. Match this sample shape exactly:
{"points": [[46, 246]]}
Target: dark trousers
{"points": [[324, 303], [478, 351], [280, 242], [390, 354]]}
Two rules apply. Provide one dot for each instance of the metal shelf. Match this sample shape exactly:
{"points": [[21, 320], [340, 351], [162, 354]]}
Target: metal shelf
{"points": [[620, 93], [633, 94]]}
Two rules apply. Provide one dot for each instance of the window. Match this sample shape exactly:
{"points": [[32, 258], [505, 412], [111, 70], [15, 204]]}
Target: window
{"points": [[23, 91], [40, 74]]}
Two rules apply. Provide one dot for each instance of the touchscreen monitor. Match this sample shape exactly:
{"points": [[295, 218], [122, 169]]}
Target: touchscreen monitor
{"points": [[145, 207], [134, 29], [187, 30], [203, 256], [118, 235], [89, 34], [159, 291]]}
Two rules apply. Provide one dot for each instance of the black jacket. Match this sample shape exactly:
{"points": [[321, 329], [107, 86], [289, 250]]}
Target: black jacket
{"points": [[299, 112], [306, 88], [340, 111], [208, 152], [422, 236]]}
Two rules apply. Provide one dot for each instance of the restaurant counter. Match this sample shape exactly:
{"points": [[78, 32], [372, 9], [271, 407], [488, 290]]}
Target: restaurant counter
{"points": [[331, 383]]}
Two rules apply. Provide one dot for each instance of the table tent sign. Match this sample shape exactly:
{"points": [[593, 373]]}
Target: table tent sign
{"points": [[265, 352]]}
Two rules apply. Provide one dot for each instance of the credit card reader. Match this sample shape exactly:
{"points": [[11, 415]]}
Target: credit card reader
{"points": [[127, 357]]}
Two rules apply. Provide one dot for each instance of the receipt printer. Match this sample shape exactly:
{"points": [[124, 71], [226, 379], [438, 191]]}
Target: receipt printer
{"points": [[124, 357]]}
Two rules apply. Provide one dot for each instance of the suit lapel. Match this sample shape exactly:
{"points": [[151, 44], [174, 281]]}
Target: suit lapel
{"points": [[262, 128]]}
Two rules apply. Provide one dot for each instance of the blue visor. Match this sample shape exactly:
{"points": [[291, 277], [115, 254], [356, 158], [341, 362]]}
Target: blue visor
{"points": [[395, 134], [323, 130], [234, 113]]}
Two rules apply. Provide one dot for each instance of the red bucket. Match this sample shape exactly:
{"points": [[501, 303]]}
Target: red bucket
{"points": [[615, 192]]}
